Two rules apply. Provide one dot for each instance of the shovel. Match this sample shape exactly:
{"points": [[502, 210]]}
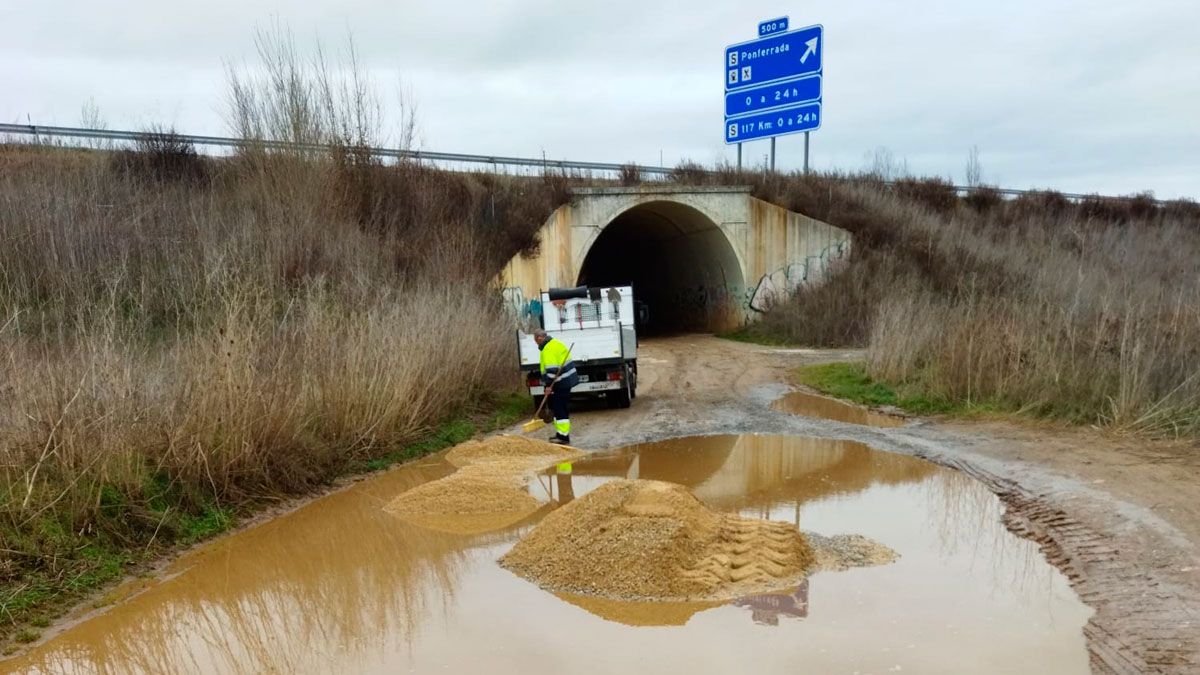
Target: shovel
{"points": [[537, 422]]}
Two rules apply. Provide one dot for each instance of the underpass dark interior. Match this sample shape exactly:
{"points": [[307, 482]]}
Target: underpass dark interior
{"points": [[681, 265]]}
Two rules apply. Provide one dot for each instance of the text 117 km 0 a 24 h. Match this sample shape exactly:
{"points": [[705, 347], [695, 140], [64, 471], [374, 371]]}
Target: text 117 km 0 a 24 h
{"points": [[773, 123]]}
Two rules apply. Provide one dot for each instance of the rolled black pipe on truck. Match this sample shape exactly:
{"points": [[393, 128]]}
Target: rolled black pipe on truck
{"points": [[567, 293]]}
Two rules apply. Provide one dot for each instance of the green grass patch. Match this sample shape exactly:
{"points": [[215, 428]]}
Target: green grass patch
{"points": [[510, 409], [450, 433], [754, 338], [100, 566], [211, 521], [495, 411], [35, 593], [59, 582], [849, 380]]}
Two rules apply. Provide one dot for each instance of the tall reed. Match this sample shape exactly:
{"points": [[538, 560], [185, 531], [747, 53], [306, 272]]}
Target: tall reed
{"points": [[181, 336]]}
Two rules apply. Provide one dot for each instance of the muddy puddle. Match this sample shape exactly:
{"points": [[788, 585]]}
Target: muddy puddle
{"points": [[811, 405], [343, 585]]}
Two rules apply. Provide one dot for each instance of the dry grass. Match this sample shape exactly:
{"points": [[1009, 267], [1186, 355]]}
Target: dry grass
{"points": [[1101, 323], [168, 347], [1088, 311], [182, 336], [174, 348]]}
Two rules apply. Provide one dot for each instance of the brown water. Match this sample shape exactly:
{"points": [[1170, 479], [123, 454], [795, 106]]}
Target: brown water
{"points": [[342, 586], [811, 405]]}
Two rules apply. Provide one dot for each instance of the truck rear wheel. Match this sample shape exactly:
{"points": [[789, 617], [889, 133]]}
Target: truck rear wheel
{"points": [[621, 397]]}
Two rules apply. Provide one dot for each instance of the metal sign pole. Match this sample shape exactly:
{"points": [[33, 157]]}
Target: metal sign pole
{"points": [[772, 153], [806, 152], [739, 157]]}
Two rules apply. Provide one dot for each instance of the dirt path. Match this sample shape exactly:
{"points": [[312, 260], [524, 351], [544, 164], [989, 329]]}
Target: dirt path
{"points": [[1119, 516]]}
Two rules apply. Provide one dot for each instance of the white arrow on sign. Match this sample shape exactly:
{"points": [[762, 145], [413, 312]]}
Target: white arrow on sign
{"points": [[812, 49]]}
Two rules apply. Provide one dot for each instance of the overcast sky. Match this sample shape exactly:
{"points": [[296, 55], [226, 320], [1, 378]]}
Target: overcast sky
{"points": [[1093, 96]]}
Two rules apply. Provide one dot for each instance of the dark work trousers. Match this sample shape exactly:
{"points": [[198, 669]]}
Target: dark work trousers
{"points": [[560, 406]]}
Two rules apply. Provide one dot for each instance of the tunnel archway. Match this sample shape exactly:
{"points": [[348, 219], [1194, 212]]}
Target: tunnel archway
{"points": [[679, 262]]}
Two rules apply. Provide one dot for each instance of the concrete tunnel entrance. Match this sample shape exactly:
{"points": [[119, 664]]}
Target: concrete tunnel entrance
{"points": [[681, 265]]}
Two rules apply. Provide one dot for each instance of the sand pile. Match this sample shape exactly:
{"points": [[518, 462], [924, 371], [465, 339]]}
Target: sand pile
{"points": [[843, 551], [640, 539], [488, 491], [509, 449]]}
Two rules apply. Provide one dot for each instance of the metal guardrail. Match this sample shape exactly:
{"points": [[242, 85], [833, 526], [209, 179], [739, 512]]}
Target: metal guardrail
{"points": [[37, 131]]}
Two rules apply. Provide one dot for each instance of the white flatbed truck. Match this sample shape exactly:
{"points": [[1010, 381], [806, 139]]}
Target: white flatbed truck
{"points": [[600, 323]]}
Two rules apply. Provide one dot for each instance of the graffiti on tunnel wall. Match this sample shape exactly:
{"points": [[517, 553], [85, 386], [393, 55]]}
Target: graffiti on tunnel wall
{"points": [[526, 311], [780, 284]]}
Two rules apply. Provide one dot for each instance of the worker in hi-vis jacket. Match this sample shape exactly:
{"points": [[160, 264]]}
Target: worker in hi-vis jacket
{"points": [[557, 363]]}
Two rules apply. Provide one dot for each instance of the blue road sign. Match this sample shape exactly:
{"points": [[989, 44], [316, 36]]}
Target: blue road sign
{"points": [[777, 95], [804, 117], [773, 26], [775, 57]]}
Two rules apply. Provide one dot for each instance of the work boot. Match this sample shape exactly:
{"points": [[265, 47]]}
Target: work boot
{"points": [[559, 439]]}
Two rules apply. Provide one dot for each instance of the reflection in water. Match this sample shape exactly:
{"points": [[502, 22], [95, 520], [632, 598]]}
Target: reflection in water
{"points": [[343, 586], [343, 574], [738, 472], [468, 523], [766, 609], [811, 405], [638, 613], [565, 491], [967, 519]]}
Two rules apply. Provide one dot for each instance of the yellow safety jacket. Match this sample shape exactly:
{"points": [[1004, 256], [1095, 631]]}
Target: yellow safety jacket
{"points": [[556, 358]]}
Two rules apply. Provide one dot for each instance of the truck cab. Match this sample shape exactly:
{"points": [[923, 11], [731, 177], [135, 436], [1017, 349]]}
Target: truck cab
{"points": [[599, 325]]}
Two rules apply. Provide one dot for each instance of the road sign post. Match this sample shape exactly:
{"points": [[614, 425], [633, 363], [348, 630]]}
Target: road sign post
{"points": [[773, 85]]}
